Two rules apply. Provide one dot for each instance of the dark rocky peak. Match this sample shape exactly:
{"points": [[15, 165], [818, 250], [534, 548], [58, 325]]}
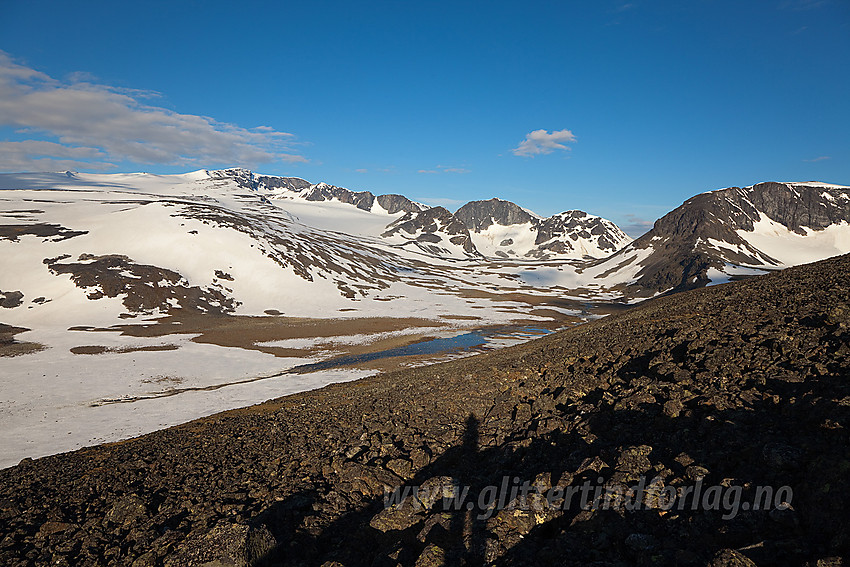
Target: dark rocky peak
{"points": [[680, 240], [680, 258], [430, 224], [396, 203], [270, 182], [717, 213], [244, 178], [430, 220], [325, 192], [568, 222], [480, 215]]}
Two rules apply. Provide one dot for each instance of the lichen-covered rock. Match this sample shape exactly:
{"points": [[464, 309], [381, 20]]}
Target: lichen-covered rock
{"points": [[398, 516], [731, 558], [226, 545]]}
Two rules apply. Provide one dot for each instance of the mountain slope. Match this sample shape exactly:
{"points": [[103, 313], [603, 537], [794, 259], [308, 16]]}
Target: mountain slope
{"points": [[294, 187], [434, 231], [736, 231], [735, 387], [204, 233]]}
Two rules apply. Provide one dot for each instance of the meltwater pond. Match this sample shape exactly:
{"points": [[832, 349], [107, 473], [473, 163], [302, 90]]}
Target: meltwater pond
{"points": [[479, 339]]}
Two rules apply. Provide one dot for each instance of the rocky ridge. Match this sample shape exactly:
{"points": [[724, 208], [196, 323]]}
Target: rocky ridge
{"points": [[506, 230], [481, 215], [576, 231], [573, 234], [741, 385], [430, 230]]}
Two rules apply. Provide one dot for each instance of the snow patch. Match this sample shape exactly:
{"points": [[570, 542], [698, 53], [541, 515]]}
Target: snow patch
{"points": [[790, 248]]}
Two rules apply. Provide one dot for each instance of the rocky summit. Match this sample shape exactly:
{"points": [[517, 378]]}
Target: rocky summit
{"points": [[731, 231], [725, 408]]}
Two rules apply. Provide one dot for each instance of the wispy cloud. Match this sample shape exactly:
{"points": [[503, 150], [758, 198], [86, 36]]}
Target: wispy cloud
{"points": [[445, 169], [821, 158], [40, 155], [543, 142], [636, 226], [93, 126], [362, 170]]}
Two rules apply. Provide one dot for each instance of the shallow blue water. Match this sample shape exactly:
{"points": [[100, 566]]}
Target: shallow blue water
{"points": [[447, 345]]}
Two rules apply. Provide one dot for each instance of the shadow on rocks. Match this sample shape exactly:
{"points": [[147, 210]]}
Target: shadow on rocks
{"points": [[790, 436]]}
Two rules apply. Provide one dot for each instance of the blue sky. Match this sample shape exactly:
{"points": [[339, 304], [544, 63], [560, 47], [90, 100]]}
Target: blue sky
{"points": [[622, 109]]}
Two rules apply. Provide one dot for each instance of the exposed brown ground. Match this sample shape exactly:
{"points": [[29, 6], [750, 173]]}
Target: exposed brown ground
{"points": [[98, 349], [251, 333], [10, 347]]}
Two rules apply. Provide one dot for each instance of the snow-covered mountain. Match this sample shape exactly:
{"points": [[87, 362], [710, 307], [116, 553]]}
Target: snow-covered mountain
{"points": [[434, 231], [503, 229], [297, 189], [718, 235], [94, 249], [144, 244], [494, 228]]}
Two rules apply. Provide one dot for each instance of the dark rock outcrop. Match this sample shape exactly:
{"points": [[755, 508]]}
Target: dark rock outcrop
{"points": [[480, 215], [396, 203], [143, 288], [14, 231], [565, 233], [269, 182], [11, 299], [558, 232], [432, 226]]}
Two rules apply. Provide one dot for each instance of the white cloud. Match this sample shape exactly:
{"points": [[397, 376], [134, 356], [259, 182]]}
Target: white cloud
{"points": [[95, 125], [543, 142], [635, 225], [821, 158], [40, 155]]}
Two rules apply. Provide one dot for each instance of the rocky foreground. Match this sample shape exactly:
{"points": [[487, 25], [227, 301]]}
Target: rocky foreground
{"points": [[738, 386]]}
